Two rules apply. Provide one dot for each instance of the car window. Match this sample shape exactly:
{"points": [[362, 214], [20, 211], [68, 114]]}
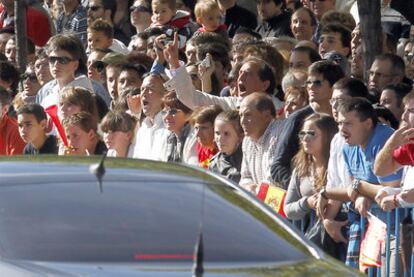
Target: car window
{"points": [[136, 219]]}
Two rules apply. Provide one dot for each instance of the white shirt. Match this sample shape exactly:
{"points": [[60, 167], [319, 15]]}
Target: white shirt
{"points": [[258, 157], [151, 142], [338, 176]]}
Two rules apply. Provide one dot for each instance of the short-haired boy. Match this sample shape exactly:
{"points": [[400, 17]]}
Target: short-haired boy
{"points": [[32, 122], [81, 132], [101, 36]]}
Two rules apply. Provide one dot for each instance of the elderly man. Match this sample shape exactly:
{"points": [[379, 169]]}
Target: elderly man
{"points": [[254, 76], [151, 138], [257, 114]]}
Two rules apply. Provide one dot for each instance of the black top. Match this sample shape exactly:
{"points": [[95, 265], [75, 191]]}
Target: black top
{"points": [[228, 165], [238, 16], [48, 147], [276, 26], [287, 146], [100, 148]]}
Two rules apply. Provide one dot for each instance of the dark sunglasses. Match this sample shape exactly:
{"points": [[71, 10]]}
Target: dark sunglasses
{"points": [[99, 66], [317, 83], [31, 77], [94, 8], [140, 9], [310, 134], [61, 60]]}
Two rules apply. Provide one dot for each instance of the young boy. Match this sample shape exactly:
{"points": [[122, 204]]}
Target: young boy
{"points": [[81, 132], [32, 122], [101, 36], [167, 17], [208, 15]]}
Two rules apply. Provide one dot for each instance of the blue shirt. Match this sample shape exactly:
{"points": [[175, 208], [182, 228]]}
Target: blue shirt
{"points": [[359, 162]]}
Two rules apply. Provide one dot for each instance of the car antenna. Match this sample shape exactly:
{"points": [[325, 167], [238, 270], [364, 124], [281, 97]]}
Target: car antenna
{"points": [[198, 257], [98, 170]]}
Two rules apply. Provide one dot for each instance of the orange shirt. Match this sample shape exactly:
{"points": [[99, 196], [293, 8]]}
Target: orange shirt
{"points": [[10, 141]]}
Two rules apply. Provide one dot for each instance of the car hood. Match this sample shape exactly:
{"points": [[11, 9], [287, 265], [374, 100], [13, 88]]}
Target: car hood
{"points": [[312, 267]]}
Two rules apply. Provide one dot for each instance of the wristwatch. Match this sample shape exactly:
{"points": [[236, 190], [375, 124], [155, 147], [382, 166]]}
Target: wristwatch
{"points": [[323, 193], [355, 185]]}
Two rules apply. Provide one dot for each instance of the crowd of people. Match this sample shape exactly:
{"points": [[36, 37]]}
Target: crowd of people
{"points": [[273, 96]]}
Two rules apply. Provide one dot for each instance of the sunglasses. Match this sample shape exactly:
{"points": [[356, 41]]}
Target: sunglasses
{"points": [[140, 9], [317, 83], [310, 134], [99, 66], [94, 8], [31, 77], [61, 60]]}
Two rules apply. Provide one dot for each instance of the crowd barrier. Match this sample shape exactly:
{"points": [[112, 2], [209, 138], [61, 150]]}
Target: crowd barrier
{"points": [[400, 214]]}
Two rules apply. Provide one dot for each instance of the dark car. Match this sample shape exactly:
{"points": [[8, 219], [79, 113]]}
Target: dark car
{"points": [[143, 219]]}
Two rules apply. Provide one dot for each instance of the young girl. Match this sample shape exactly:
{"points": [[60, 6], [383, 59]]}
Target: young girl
{"points": [[310, 165], [203, 122], [118, 132], [228, 135]]}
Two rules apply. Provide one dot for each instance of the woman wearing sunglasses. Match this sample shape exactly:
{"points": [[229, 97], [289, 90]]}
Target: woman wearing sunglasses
{"points": [[310, 165]]}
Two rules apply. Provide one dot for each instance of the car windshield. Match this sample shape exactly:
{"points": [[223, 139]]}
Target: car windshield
{"points": [[136, 218]]}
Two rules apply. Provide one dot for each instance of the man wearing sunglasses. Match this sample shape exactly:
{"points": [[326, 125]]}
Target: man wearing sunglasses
{"points": [[322, 75]]}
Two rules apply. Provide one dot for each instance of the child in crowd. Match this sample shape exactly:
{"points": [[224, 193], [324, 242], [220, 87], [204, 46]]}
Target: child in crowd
{"points": [[203, 122], [166, 16], [118, 131], [181, 142], [101, 36], [73, 100], [81, 132], [32, 122], [208, 15], [228, 135]]}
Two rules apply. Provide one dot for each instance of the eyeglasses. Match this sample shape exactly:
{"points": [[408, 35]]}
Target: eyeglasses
{"points": [[336, 102], [61, 60], [31, 77], [172, 111], [317, 83], [310, 134], [94, 8], [140, 9], [315, 1]]}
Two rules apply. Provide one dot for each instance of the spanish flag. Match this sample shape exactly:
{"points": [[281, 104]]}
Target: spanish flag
{"points": [[273, 196]]}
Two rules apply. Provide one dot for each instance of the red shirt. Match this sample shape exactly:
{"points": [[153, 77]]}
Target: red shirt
{"points": [[204, 155], [37, 25], [10, 141], [404, 155]]}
